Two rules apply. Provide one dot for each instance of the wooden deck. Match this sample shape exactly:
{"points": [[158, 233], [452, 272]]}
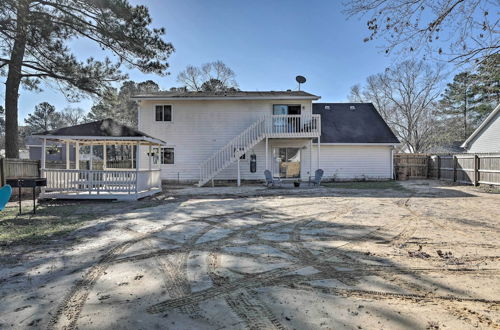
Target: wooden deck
{"points": [[100, 184]]}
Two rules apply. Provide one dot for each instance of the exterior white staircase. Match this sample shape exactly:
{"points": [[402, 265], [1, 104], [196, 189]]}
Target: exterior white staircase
{"points": [[272, 126], [228, 154]]}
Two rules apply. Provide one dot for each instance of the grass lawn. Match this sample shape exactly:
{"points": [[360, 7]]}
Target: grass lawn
{"points": [[376, 185], [48, 222], [55, 219]]}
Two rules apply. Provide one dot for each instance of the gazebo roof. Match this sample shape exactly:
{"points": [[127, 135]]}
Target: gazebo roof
{"points": [[102, 130]]}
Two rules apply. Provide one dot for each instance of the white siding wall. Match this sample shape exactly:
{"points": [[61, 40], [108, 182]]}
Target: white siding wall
{"points": [[354, 162], [199, 128], [488, 139]]}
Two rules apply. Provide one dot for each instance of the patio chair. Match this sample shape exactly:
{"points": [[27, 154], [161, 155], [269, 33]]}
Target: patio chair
{"points": [[270, 180], [5, 193], [318, 175]]}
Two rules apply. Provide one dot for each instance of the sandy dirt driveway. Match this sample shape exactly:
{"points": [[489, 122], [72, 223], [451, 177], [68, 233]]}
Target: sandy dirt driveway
{"points": [[423, 256]]}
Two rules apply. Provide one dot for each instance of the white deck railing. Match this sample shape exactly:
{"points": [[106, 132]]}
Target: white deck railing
{"points": [[272, 126], [111, 182]]}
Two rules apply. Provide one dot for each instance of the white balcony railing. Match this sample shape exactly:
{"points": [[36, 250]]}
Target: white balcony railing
{"points": [[294, 126]]}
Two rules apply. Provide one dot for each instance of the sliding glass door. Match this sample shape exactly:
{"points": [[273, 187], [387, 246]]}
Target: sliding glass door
{"points": [[283, 124], [286, 163]]}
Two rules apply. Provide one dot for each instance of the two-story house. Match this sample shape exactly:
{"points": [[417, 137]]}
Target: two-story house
{"points": [[238, 135]]}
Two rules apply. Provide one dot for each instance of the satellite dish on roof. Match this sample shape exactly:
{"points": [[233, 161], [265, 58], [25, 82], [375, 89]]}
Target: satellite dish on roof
{"points": [[300, 80]]}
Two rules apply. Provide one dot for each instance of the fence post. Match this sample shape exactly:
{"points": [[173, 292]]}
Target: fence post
{"points": [[428, 168], [438, 167], [454, 168], [476, 170]]}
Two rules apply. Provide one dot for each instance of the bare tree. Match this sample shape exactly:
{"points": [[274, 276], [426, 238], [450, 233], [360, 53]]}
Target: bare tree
{"points": [[405, 96], [213, 76], [467, 29], [73, 116]]}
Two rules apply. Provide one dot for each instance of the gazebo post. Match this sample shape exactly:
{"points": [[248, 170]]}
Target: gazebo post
{"points": [[44, 153], [77, 155], [136, 168], [91, 156], [104, 156], [132, 156], [149, 158], [67, 155], [137, 157]]}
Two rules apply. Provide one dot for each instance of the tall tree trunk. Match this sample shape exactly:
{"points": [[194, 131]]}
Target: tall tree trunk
{"points": [[14, 80]]}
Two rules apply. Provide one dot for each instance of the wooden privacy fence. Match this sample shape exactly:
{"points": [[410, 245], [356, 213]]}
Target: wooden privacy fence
{"points": [[11, 168], [472, 169], [411, 166]]}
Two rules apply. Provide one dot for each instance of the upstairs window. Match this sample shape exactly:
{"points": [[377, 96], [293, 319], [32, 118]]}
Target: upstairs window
{"points": [[163, 113]]}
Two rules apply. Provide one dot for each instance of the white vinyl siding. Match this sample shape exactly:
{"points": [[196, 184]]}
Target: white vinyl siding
{"points": [[202, 127], [488, 139], [354, 162]]}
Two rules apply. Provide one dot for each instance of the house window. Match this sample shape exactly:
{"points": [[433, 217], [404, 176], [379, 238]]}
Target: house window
{"points": [[163, 156], [163, 113]]}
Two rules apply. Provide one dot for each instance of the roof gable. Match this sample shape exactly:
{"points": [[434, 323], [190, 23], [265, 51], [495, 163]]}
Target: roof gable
{"points": [[353, 123], [484, 125], [102, 128]]}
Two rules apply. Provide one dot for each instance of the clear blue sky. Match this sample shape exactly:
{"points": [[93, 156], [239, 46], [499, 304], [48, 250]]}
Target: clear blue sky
{"points": [[267, 43]]}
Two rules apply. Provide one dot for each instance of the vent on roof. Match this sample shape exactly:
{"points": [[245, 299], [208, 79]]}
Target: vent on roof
{"points": [[352, 107], [327, 107]]}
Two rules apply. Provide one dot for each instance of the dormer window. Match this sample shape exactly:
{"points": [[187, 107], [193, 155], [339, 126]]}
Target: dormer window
{"points": [[163, 113]]}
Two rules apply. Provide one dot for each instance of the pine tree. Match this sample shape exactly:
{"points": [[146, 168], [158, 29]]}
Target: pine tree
{"points": [[469, 98], [486, 88], [118, 105], [456, 103], [44, 118], [35, 47]]}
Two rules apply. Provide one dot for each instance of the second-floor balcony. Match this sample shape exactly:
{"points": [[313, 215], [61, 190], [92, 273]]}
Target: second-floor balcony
{"points": [[293, 126]]}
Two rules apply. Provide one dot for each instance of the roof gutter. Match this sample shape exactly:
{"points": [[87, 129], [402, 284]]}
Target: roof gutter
{"points": [[223, 98], [150, 140], [358, 144]]}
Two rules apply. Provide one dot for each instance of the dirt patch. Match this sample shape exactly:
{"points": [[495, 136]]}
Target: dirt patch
{"points": [[420, 256]]}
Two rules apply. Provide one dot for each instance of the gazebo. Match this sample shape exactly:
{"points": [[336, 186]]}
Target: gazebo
{"points": [[100, 182]]}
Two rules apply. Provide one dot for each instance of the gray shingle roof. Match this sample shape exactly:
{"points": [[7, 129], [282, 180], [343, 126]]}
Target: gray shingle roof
{"points": [[341, 124], [102, 128], [227, 94]]}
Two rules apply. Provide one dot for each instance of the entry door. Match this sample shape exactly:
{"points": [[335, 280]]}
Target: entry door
{"points": [[286, 163]]}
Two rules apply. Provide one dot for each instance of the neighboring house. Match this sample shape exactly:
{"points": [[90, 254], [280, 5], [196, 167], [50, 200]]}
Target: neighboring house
{"points": [[208, 134], [23, 153], [56, 151], [486, 138], [449, 148]]}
